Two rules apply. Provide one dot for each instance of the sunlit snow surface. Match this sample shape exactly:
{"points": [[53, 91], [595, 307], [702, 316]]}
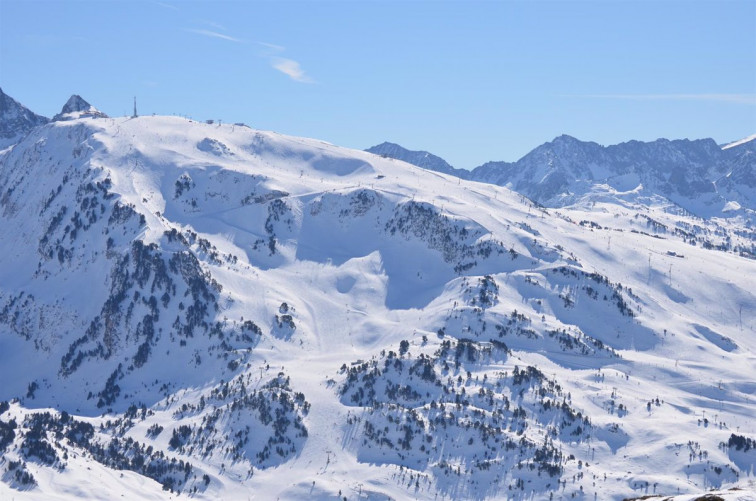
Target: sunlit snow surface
{"points": [[280, 276]]}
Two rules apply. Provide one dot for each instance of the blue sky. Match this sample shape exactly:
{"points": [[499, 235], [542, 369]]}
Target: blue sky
{"points": [[469, 81]]}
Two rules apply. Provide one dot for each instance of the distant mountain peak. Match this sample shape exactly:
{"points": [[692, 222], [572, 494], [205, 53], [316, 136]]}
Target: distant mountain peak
{"points": [[419, 158], [78, 107], [15, 120], [76, 103], [566, 138], [567, 141], [386, 144]]}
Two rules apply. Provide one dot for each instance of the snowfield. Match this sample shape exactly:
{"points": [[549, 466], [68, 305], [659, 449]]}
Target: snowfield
{"points": [[193, 310]]}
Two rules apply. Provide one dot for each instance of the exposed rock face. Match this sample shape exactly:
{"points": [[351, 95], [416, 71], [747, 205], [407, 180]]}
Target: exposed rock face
{"points": [[77, 107], [15, 120]]}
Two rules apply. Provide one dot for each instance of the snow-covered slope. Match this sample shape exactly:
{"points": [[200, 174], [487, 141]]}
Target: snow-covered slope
{"points": [[231, 313], [739, 142], [15, 120]]}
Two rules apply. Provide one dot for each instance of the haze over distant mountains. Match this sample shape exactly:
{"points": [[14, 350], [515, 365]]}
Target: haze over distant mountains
{"points": [[211, 311]]}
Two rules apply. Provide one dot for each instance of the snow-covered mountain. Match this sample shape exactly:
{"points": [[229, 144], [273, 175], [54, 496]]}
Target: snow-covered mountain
{"points": [[698, 176], [224, 312], [420, 158], [15, 120]]}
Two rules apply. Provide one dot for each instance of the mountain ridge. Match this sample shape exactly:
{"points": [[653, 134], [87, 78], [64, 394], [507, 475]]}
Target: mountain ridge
{"points": [[697, 175], [560, 172]]}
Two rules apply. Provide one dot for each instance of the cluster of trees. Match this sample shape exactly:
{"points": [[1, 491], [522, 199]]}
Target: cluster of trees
{"points": [[485, 293], [183, 184], [90, 198], [435, 405], [740, 442], [272, 416], [147, 280], [474, 319], [20, 474], [586, 345], [35, 444], [111, 391], [451, 238], [7, 433], [39, 430], [612, 292], [277, 211]]}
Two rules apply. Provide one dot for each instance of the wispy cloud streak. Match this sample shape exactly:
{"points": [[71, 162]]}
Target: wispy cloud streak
{"points": [[271, 46], [215, 25], [269, 51], [215, 34], [167, 6]]}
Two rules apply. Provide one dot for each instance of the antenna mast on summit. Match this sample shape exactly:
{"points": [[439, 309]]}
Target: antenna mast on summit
{"points": [[135, 112]]}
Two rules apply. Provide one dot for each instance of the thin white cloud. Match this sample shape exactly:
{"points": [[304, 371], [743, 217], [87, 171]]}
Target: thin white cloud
{"points": [[270, 51], [215, 34], [167, 5], [290, 68], [722, 98], [215, 25], [272, 46]]}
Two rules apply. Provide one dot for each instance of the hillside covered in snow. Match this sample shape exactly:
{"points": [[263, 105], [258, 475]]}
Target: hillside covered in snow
{"points": [[220, 312]]}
